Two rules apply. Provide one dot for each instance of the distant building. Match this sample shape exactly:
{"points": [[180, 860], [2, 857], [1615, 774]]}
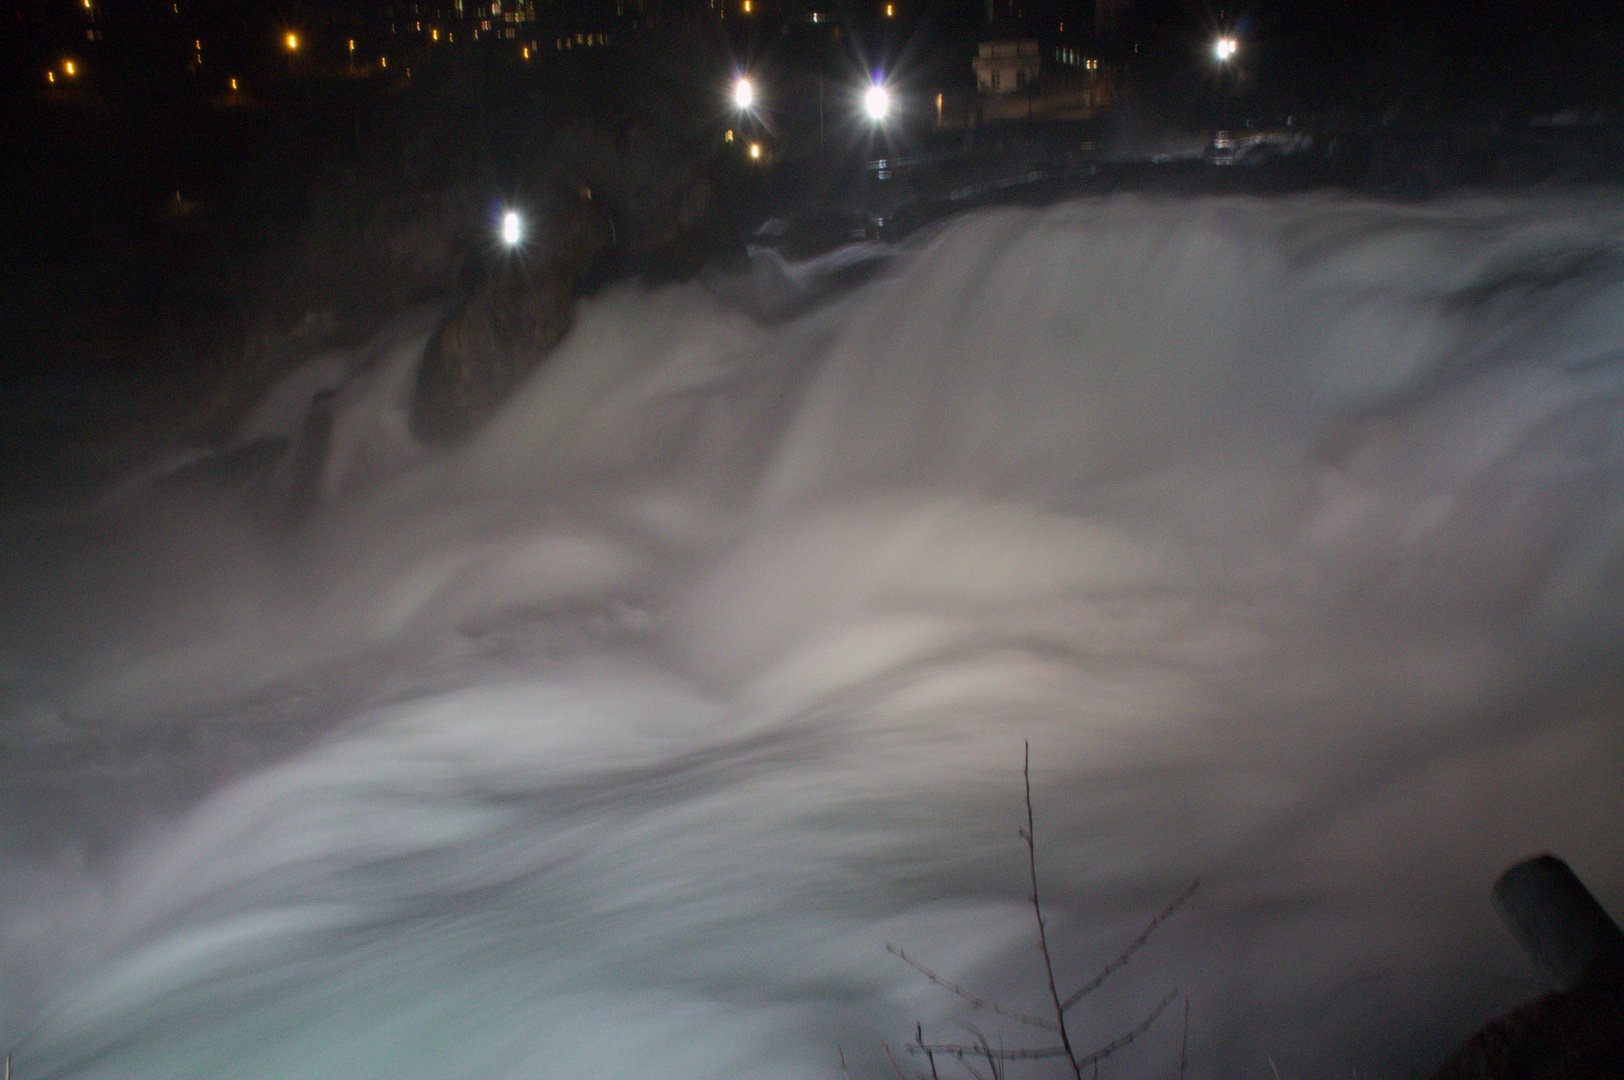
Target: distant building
{"points": [[1004, 67]]}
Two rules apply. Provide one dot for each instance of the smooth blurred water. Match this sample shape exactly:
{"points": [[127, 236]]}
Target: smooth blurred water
{"points": [[623, 739]]}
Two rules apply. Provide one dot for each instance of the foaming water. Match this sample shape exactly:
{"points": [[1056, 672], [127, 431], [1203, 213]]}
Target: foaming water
{"points": [[626, 737]]}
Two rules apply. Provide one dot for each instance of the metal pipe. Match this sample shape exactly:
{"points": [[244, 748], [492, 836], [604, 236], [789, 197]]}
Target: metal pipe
{"points": [[1566, 933]]}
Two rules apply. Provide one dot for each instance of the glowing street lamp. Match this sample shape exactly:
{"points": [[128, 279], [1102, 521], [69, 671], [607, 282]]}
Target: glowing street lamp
{"points": [[67, 66], [512, 228], [292, 41], [1224, 49], [744, 94], [876, 102]]}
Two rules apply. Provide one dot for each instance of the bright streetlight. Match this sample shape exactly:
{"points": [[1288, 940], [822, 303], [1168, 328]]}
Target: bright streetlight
{"points": [[293, 42], [744, 95], [1224, 47], [512, 228], [876, 102]]}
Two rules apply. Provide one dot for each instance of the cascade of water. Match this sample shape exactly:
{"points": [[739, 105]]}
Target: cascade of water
{"points": [[625, 736]]}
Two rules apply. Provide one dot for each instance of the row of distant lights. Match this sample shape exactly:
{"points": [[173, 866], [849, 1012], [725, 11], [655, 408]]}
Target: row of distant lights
{"points": [[816, 16], [1076, 59], [291, 42]]}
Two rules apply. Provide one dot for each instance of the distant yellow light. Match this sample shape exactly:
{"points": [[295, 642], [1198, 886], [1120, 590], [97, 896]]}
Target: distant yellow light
{"points": [[68, 67], [234, 84], [755, 151], [383, 61], [434, 35], [890, 10], [50, 76], [293, 43], [87, 5], [198, 45], [729, 136], [352, 44], [747, 7], [526, 52]]}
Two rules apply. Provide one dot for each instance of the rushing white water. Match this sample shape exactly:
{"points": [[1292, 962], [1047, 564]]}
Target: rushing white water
{"points": [[623, 739]]}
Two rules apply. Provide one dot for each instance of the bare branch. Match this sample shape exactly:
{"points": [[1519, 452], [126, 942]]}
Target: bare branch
{"points": [[919, 1033], [842, 1054], [1184, 1039], [986, 1048], [1105, 972], [892, 1059], [960, 1051], [980, 1003], [1037, 910], [1123, 1040]]}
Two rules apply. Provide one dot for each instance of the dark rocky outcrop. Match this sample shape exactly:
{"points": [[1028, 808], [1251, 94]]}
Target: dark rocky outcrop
{"points": [[513, 315]]}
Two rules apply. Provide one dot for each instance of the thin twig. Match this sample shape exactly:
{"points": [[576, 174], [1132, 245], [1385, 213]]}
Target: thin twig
{"points": [[1105, 972], [1123, 1040], [986, 1049], [1037, 909], [1184, 1038], [842, 1054], [892, 1059], [978, 1002], [971, 1069]]}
